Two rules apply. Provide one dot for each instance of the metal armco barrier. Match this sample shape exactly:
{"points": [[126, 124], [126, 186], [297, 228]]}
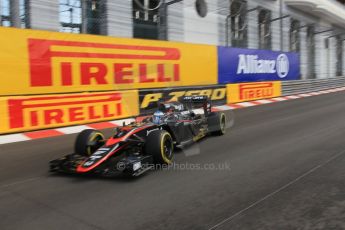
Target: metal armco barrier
{"points": [[311, 85]]}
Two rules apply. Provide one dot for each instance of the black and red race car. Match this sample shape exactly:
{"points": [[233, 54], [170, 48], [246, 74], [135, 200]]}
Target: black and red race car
{"points": [[137, 147]]}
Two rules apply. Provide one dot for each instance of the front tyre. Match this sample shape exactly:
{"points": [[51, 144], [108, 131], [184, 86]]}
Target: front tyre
{"points": [[217, 123], [160, 145], [88, 141]]}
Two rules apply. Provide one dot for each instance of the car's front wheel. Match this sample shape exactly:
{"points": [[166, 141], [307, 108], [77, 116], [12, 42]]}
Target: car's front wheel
{"points": [[88, 141], [160, 145]]}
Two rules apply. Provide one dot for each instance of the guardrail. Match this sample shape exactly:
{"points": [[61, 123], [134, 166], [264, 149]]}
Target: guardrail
{"points": [[311, 85]]}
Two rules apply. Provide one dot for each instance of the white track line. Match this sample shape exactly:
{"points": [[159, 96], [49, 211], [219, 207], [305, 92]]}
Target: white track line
{"points": [[246, 104], [279, 99], [304, 95], [292, 97], [264, 101], [224, 107], [11, 138], [73, 129]]}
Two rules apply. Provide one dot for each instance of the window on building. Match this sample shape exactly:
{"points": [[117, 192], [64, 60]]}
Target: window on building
{"points": [[14, 13], [238, 23], [147, 22], [295, 35], [70, 16], [5, 13], [265, 35], [94, 16], [311, 52], [340, 56], [24, 13]]}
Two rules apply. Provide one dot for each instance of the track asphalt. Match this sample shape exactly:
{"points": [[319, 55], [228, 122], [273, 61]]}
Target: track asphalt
{"points": [[280, 166]]}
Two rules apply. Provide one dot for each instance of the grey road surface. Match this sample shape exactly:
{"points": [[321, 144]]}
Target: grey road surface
{"points": [[281, 166]]}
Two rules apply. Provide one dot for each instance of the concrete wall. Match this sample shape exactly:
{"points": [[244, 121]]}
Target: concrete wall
{"points": [[119, 18], [198, 29], [176, 22], [44, 15]]}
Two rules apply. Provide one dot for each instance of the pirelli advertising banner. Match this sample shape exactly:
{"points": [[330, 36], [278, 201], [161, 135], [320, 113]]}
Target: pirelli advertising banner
{"points": [[237, 65], [148, 98], [23, 113], [253, 91], [39, 62]]}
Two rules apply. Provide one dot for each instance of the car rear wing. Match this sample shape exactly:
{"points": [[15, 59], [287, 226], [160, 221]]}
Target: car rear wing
{"points": [[197, 102]]}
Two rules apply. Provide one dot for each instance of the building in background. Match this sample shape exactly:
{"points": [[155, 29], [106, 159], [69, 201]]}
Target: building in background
{"points": [[313, 28]]}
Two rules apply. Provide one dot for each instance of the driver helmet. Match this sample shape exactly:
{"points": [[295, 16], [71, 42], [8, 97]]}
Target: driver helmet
{"points": [[158, 117]]}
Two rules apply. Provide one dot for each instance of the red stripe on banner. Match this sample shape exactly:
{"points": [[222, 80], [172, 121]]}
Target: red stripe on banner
{"points": [[43, 133], [102, 125]]}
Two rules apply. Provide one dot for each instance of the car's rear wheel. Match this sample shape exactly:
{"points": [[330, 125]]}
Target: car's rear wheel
{"points": [[88, 141], [217, 123], [160, 145]]}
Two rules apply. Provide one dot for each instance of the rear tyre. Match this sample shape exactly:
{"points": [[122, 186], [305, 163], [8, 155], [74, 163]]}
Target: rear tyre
{"points": [[160, 145], [217, 123], [88, 141]]}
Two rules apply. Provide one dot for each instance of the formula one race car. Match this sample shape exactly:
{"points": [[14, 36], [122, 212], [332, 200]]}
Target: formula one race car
{"points": [[136, 147]]}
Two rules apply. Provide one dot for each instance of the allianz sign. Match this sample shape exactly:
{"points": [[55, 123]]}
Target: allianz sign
{"points": [[236, 65], [251, 64]]}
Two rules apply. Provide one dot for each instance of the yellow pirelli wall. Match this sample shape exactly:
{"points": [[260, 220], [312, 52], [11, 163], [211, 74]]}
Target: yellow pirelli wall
{"points": [[41, 62], [25, 113], [51, 79], [253, 91]]}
